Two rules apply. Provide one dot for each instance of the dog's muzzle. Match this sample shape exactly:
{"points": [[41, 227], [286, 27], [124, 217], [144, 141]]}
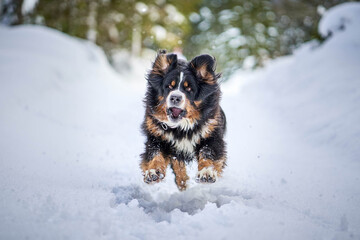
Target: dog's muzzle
{"points": [[176, 105]]}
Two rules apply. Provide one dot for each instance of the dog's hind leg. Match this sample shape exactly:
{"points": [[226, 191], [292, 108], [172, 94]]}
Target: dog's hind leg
{"points": [[181, 177], [154, 170]]}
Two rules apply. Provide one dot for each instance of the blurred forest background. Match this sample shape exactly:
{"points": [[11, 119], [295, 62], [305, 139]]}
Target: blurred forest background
{"points": [[239, 33]]}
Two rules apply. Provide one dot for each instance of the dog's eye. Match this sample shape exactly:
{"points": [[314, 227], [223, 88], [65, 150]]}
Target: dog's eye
{"points": [[171, 87], [188, 89]]}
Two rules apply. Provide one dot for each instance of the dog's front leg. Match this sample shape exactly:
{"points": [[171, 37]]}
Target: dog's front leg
{"points": [[154, 167], [209, 167], [179, 169]]}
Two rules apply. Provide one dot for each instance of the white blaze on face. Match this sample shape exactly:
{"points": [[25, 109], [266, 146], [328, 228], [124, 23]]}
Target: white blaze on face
{"points": [[184, 122], [181, 79], [179, 93]]}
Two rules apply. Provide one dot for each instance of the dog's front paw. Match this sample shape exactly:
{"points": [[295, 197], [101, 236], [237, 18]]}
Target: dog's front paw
{"points": [[152, 175], [207, 175]]}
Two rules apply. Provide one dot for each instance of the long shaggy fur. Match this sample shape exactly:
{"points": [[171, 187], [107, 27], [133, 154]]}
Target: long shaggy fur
{"points": [[181, 134]]}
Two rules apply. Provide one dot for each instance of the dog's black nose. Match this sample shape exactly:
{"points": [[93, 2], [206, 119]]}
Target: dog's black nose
{"points": [[175, 99]]}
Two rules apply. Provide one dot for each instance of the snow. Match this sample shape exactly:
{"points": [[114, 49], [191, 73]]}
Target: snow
{"points": [[341, 17], [70, 144]]}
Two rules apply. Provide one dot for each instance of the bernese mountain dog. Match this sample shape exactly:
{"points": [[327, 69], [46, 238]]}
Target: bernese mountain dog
{"points": [[183, 120]]}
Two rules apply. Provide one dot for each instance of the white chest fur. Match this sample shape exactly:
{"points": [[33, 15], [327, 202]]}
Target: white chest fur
{"points": [[187, 145], [184, 145]]}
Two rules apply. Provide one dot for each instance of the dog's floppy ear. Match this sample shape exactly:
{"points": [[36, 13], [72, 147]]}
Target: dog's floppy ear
{"points": [[204, 68], [164, 63]]}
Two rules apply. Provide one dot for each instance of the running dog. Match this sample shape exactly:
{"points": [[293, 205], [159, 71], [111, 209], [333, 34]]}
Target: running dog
{"points": [[183, 120]]}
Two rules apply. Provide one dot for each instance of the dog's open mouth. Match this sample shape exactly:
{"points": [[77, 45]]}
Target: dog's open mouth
{"points": [[175, 113]]}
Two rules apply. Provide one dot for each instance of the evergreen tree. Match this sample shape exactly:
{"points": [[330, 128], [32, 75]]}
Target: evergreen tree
{"points": [[239, 33], [11, 12]]}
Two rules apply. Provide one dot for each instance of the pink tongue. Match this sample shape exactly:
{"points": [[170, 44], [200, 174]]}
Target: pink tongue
{"points": [[176, 112]]}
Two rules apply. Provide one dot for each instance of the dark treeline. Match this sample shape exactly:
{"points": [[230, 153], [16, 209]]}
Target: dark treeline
{"points": [[239, 33]]}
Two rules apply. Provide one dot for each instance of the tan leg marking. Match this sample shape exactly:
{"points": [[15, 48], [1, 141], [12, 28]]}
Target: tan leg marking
{"points": [[209, 170], [155, 169], [180, 173]]}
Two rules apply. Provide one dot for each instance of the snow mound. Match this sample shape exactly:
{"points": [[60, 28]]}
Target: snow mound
{"points": [[191, 201], [343, 17], [316, 89], [55, 76]]}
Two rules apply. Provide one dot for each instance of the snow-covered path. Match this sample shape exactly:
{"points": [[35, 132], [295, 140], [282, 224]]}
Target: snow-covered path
{"points": [[70, 144]]}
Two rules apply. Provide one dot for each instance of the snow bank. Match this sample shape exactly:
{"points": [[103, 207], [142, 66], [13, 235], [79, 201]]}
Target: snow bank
{"points": [[306, 150], [343, 17], [62, 135], [70, 144], [317, 89]]}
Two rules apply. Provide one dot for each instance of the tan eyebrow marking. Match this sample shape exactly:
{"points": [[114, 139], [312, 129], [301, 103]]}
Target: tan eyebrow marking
{"points": [[186, 84], [173, 83]]}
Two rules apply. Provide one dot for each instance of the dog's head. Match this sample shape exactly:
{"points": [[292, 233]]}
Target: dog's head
{"points": [[181, 91]]}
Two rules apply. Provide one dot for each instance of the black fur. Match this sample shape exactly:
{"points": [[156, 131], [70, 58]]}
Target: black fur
{"points": [[200, 75]]}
